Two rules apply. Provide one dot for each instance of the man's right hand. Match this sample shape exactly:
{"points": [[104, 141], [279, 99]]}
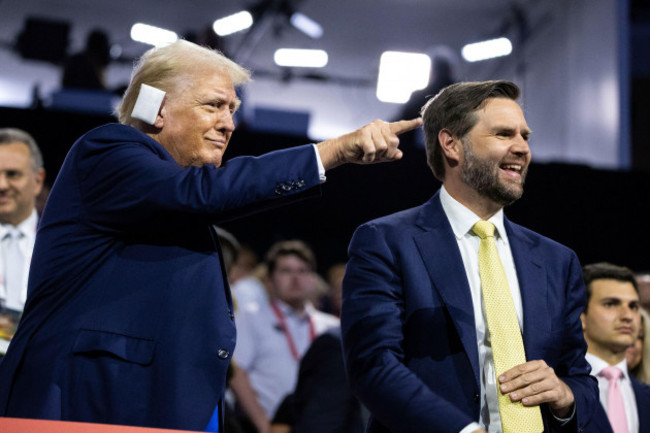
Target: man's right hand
{"points": [[373, 143]]}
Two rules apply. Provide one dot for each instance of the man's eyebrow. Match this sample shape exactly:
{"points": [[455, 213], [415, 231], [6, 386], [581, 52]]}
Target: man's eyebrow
{"points": [[524, 131]]}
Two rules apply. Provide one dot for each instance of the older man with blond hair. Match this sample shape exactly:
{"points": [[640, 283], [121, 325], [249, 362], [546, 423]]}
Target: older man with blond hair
{"points": [[129, 318]]}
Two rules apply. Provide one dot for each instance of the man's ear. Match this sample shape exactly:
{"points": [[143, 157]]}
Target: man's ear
{"points": [[582, 319], [451, 146], [160, 117], [39, 179]]}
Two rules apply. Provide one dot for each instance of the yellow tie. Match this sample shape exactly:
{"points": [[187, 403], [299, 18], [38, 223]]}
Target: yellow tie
{"points": [[505, 335]]}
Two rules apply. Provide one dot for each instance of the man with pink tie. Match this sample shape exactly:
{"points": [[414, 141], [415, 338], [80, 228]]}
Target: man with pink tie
{"points": [[611, 322]]}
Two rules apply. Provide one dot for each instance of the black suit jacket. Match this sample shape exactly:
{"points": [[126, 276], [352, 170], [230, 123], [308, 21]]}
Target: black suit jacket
{"points": [[323, 401]]}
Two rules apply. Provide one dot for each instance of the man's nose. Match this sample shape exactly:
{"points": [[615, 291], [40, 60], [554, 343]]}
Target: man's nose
{"points": [[627, 313], [228, 123], [4, 182], [520, 146]]}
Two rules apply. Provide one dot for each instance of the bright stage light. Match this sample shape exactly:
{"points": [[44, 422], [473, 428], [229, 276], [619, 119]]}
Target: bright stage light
{"points": [[300, 58], [152, 35], [486, 49], [306, 25], [233, 23], [400, 74]]}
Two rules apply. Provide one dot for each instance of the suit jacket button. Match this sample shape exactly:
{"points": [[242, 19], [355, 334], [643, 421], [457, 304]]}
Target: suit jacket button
{"points": [[476, 398], [223, 354]]}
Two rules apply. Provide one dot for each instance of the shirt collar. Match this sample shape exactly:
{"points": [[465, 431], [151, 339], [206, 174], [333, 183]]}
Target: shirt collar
{"points": [[28, 227], [598, 364], [288, 311], [462, 219]]}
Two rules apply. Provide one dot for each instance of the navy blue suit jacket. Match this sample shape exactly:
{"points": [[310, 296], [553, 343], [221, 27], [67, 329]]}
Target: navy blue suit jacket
{"points": [[600, 423], [129, 318], [408, 324]]}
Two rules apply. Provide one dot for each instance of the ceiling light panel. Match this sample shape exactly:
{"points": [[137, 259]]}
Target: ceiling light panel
{"points": [[306, 25], [152, 35], [400, 74], [233, 23], [486, 49], [300, 58]]}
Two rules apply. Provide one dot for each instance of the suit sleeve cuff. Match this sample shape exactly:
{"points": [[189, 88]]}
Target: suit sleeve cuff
{"points": [[564, 421]]}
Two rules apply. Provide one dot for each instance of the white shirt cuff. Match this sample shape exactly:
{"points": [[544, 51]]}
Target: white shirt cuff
{"points": [[564, 421], [470, 428], [321, 169]]}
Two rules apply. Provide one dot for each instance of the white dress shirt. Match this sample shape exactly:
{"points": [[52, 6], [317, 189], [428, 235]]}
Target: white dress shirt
{"points": [[26, 246], [462, 220], [264, 353], [625, 385]]}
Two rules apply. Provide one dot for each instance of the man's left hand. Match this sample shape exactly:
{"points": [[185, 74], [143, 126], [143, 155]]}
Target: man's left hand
{"points": [[534, 383]]}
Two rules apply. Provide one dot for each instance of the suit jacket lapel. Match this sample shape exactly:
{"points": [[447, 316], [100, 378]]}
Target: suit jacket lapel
{"points": [[439, 251], [642, 395], [533, 287]]}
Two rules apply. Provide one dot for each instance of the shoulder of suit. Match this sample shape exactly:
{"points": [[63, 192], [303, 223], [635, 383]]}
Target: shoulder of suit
{"points": [[114, 134], [113, 130], [536, 239], [400, 220]]}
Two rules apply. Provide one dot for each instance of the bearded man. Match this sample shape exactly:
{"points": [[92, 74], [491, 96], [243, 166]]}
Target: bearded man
{"points": [[455, 319]]}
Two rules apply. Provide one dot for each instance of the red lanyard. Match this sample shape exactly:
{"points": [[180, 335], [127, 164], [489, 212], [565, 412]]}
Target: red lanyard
{"points": [[287, 333]]}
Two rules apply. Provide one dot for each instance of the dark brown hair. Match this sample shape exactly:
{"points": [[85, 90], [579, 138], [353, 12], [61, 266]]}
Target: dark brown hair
{"points": [[454, 108], [606, 271]]}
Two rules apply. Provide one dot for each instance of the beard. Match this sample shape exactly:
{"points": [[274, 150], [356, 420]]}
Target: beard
{"points": [[483, 176]]}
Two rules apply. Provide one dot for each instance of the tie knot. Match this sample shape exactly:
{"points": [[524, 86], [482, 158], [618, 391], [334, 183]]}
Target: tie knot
{"points": [[612, 373], [484, 229], [14, 233]]}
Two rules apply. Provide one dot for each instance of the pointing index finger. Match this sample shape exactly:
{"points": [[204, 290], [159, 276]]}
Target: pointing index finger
{"points": [[402, 126]]}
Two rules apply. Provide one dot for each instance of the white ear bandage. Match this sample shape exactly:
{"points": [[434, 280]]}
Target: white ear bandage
{"points": [[148, 104]]}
